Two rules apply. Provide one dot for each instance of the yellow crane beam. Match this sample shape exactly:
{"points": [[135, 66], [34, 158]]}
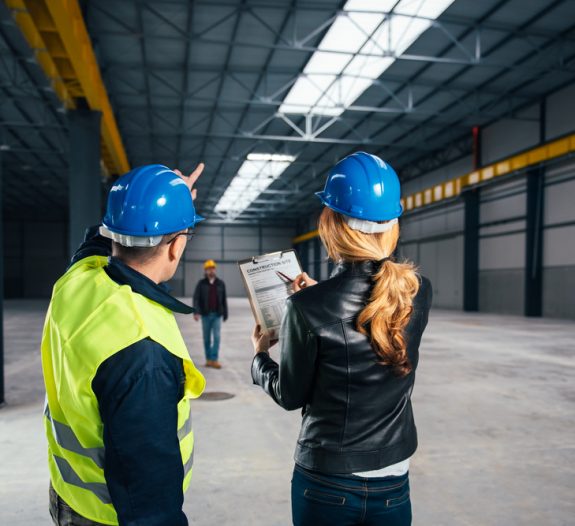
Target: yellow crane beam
{"points": [[455, 186], [56, 31]]}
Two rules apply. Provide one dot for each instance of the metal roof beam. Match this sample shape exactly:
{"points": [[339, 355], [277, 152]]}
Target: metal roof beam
{"points": [[286, 138], [199, 103], [431, 59]]}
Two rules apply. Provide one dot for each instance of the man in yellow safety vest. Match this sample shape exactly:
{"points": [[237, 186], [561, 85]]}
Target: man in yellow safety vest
{"points": [[118, 376]]}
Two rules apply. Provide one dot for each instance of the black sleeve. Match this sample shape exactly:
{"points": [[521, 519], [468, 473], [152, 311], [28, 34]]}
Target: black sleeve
{"points": [[197, 294], [290, 382], [225, 302], [138, 390], [93, 245]]}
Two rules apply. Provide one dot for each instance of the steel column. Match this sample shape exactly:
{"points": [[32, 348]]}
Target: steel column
{"points": [[85, 196], [2, 399], [471, 251], [534, 243]]}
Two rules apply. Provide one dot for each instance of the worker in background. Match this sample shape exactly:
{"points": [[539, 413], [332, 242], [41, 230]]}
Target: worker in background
{"points": [[211, 303], [118, 376], [349, 348]]}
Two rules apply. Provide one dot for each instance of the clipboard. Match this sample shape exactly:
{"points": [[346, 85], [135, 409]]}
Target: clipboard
{"points": [[268, 281]]}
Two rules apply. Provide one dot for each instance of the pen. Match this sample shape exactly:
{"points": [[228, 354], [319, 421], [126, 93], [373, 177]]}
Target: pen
{"points": [[282, 275]]}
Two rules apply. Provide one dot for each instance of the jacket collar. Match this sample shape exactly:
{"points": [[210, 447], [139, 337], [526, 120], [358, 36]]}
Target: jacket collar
{"points": [[122, 274], [356, 268]]}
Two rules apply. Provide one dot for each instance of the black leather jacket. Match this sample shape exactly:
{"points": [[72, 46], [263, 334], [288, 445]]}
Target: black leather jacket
{"points": [[357, 414]]}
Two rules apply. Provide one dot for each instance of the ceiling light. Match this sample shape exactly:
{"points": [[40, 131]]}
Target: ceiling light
{"points": [[270, 157], [255, 175]]}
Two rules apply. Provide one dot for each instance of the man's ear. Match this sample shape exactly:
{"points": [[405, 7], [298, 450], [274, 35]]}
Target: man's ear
{"points": [[176, 248]]}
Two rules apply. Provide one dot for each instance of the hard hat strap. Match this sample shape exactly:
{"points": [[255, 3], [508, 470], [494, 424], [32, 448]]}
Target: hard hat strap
{"points": [[131, 241], [369, 227]]}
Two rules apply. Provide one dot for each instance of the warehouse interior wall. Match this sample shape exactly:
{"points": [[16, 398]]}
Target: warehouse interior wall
{"points": [[433, 238], [36, 252], [227, 244], [36, 255]]}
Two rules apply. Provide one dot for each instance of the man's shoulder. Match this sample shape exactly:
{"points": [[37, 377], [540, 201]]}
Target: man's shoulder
{"points": [[143, 357]]}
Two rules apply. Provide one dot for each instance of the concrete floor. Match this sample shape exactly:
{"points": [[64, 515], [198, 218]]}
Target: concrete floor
{"points": [[494, 405]]}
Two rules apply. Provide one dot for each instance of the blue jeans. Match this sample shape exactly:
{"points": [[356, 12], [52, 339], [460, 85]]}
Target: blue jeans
{"points": [[211, 327], [346, 500]]}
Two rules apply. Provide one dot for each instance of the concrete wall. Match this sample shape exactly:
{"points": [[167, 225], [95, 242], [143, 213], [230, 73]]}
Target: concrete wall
{"points": [[227, 245]]}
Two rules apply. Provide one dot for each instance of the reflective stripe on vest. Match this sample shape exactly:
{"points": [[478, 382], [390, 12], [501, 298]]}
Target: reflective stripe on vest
{"points": [[188, 465], [66, 438], [186, 429], [71, 477]]}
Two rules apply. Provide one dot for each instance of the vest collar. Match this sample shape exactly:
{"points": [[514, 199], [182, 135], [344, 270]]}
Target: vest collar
{"points": [[122, 274]]}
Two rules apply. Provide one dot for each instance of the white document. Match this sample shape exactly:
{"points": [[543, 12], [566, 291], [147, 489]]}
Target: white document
{"points": [[268, 280]]}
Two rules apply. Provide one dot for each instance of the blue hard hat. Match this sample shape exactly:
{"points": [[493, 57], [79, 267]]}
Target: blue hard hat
{"points": [[363, 186], [150, 200]]}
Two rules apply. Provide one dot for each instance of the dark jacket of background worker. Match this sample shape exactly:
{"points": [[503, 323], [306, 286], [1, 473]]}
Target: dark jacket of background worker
{"points": [[349, 347], [211, 303]]}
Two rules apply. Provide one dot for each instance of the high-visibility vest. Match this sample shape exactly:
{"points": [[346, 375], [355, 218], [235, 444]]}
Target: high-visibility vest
{"points": [[90, 318]]}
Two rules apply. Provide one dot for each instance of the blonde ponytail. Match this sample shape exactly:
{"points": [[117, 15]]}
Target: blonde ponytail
{"points": [[389, 308]]}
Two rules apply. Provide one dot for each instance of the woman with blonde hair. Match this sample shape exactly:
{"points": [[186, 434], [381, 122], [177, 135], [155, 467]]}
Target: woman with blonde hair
{"points": [[348, 354]]}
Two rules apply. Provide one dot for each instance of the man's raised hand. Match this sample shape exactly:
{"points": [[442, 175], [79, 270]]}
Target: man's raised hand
{"points": [[192, 178]]}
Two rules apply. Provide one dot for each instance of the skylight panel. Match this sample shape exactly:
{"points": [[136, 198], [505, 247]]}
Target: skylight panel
{"points": [[378, 38], [369, 67], [326, 62], [307, 90], [270, 157], [256, 173], [348, 33]]}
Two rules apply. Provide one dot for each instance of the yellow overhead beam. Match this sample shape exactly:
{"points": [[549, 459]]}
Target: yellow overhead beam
{"points": [[305, 237], [453, 187], [55, 30]]}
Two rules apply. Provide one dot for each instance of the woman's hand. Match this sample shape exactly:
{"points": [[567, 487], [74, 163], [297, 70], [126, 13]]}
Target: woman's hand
{"points": [[302, 281], [260, 340]]}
